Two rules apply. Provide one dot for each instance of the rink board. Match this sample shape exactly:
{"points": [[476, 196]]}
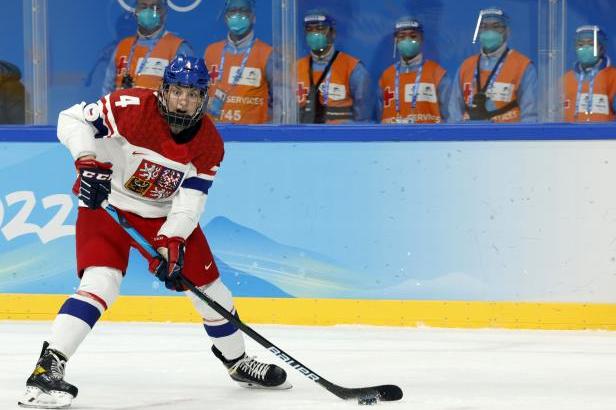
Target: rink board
{"points": [[441, 226], [299, 311]]}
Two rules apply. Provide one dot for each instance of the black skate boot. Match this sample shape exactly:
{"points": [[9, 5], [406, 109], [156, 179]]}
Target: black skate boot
{"points": [[46, 388], [250, 373]]}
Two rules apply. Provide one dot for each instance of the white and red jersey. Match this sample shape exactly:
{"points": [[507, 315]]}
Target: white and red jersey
{"points": [[153, 175]]}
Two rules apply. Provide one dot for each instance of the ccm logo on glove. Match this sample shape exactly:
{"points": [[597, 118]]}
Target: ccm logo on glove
{"points": [[94, 182], [100, 177]]}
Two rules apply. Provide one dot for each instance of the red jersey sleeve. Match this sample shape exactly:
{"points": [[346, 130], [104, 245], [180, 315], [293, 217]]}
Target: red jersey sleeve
{"points": [[210, 146]]}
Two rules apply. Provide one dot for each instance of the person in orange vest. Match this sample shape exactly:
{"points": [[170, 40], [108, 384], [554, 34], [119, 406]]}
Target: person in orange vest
{"points": [[140, 60], [413, 89], [332, 86], [499, 84], [590, 88], [241, 70]]}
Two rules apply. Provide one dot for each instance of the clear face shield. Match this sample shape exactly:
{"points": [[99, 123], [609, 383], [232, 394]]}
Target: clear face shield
{"points": [[491, 29], [150, 15], [588, 45]]}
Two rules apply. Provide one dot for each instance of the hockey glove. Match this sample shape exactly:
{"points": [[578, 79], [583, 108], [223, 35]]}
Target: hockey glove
{"points": [[94, 181], [168, 268]]}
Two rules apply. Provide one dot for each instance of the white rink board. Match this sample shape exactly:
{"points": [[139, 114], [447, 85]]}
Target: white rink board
{"points": [[169, 366]]}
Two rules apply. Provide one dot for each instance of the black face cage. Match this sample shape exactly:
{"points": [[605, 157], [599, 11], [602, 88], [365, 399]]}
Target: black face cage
{"points": [[178, 120]]}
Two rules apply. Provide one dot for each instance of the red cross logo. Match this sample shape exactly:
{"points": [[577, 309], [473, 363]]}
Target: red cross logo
{"points": [[122, 67], [468, 90], [301, 92], [387, 96], [214, 73]]}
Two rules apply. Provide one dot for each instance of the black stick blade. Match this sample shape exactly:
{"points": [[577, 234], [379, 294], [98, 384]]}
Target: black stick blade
{"points": [[388, 392]]}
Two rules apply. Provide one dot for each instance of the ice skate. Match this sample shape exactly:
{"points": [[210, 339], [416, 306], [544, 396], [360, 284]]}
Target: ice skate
{"points": [[250, 373], [46, 388]]}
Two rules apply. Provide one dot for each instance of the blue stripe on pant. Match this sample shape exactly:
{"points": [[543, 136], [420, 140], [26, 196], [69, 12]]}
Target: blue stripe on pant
{"points": [[221, 330], [81, 310]]}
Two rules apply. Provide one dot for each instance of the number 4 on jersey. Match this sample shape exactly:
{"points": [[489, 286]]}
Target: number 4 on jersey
{"points": [[126, 100]]}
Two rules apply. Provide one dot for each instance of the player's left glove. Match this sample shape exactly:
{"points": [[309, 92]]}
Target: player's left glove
{"points": [[168, 268]]}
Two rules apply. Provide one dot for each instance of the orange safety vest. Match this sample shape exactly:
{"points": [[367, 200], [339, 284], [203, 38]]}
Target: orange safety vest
{"points": [[427, 109], [339, 106], [152, 70], [604, 91], [246, 101], [505, 87]]}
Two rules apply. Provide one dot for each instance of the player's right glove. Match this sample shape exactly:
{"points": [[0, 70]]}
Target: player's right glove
{"points": [[168, 268], [94, 181]]}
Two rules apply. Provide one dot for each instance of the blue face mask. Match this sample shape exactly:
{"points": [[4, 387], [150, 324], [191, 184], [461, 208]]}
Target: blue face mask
{"points": [[408, 47], [491, 40], [238, 23], [148, 18], [586, 55], [316, 40]]}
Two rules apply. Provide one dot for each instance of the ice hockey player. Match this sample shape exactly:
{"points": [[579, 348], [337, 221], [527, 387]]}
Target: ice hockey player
{"points": [[153, 155]]}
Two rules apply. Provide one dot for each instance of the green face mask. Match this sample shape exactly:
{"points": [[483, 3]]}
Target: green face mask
{"points": [[316, 40], [491, 40], [148, 19], [238, 23], [408, 47], [586, 55]]}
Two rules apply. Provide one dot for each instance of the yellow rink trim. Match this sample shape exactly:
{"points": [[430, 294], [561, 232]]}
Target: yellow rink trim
{"points": [[515, 315]]}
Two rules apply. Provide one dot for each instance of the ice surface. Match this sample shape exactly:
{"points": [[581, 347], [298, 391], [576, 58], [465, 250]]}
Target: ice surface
{"points": [[169, 366]]}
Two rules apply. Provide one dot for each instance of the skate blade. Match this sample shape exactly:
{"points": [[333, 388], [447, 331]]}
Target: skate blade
{"points": [[284, 386], [35, 398]]}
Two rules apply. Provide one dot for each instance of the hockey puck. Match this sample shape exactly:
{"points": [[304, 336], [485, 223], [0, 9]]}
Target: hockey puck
{"points": [[367, 400]]}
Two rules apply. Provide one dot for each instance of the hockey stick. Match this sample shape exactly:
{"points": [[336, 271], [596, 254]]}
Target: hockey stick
{"points": [[364, 395]]}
